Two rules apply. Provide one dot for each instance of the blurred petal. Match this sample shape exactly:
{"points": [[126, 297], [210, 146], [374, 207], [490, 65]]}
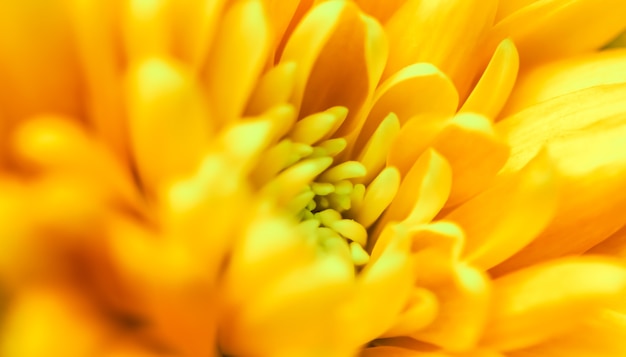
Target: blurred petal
{"points": [[540, 302], [551, 29], [41, 321], [97, 27], [38, 60], [237, 59], [556, 78], [160, 93], [602, 336]]}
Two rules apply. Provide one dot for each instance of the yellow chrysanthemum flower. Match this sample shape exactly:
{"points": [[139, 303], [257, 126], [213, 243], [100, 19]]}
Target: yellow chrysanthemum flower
{"points": [[312, 178]]}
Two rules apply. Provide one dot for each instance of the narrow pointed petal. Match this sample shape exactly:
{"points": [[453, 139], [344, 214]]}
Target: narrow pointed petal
{"points": [[551, 29], [475, 154], [422, 193], [538, 303], [502, 220], [496, 83], [557, 78], [441, 33], [274, 88], [237, 59]]}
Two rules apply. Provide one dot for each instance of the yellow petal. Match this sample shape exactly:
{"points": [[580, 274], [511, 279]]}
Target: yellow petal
{"points": [[551, 29], [463, 307], [475, 154], [502, 220], [281, 13], [556, 78], [391, 271], [41, 321], [615, 245], [274, 88], [329, 73], [146, 28], [441, 33], [381, 10], [237, 59], [95, 23], [374, 154], [602, 336], [387, 351], [169, 129], [57, 145], [492, 90], [527, 131], [508, 7], [543, 301], [419, 89], [38, 61], [194, 24], [591, 167], [422, 193], [420, 311], [267, 321]]}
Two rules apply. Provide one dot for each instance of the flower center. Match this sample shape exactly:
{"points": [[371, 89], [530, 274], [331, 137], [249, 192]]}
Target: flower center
{"points": [[335, 200], [327, 211]]}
